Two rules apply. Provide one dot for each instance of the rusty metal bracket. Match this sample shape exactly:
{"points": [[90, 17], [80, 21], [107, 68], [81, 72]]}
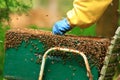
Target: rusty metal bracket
{"points": [[89, 74]]}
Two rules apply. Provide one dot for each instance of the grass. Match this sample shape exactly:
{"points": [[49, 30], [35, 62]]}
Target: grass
{"points": [[38, 28], [75, 31], [83, 32]]}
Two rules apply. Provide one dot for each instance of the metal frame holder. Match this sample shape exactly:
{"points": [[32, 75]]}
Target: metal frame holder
{"points": [[89, 74]]}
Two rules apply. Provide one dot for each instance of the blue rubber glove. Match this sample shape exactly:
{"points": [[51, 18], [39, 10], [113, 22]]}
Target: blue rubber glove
{"points": [[61, 27]]}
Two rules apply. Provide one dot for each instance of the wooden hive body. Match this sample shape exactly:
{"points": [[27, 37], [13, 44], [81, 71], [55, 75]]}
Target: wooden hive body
{"points": [[26, 47]]}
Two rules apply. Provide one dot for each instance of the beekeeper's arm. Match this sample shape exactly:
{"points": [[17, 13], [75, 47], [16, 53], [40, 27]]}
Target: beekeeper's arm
{"points": [[83, 14]]}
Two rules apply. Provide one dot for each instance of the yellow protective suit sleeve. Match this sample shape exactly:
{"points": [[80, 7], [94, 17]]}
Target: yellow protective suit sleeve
{"points": [[86, 12]]}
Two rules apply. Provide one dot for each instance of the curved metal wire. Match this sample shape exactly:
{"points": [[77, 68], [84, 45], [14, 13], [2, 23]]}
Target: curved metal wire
{"points": [[89, 74]]}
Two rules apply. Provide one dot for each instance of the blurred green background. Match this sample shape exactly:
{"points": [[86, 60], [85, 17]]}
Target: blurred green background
{"points": [[22, 6]]}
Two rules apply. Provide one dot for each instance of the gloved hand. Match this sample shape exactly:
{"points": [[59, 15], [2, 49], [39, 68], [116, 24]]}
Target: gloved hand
{"points": [[61, 27]]}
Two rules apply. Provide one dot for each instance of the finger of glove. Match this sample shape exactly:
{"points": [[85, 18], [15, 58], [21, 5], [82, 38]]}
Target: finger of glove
{"points": [[56, 30], [62, 26]]}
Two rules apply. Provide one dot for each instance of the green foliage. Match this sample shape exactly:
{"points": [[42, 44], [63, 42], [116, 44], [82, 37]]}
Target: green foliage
{"points": [[8, 6], [18, 5]]}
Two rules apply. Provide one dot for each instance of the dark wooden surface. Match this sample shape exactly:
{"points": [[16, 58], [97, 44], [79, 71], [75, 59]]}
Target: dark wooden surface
{"points": [[108, 23]]}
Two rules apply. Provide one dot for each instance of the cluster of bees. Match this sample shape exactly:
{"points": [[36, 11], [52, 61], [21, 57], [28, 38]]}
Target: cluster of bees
{"points": [[93, 47]]}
